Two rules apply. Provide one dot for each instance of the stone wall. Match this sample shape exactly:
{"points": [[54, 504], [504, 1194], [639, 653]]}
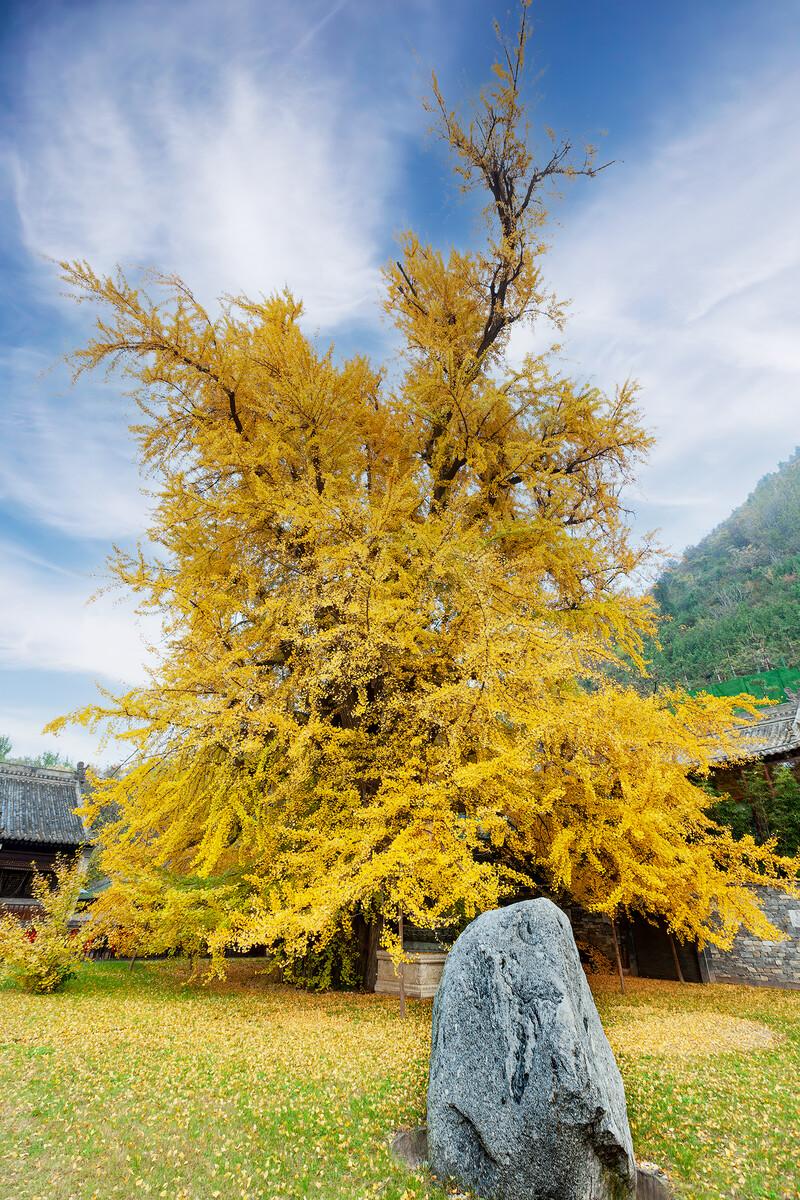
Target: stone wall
{"points": [[751, 961], [592, 932], [768, 964]]}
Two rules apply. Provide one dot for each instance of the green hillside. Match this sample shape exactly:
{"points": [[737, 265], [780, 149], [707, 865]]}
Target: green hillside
{"points": [[734, 599], [766, 685]]}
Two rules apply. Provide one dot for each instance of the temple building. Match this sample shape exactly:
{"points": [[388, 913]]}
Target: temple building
{"points": [[646, 947], [37, 822]]}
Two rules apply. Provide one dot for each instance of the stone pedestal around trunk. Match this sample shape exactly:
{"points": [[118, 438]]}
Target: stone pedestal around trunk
{"points": [[421, 975], [525, 1101]]}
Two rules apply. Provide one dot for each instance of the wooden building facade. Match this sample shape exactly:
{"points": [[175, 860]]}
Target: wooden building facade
{"points": [[37, 822], [647, 948]]}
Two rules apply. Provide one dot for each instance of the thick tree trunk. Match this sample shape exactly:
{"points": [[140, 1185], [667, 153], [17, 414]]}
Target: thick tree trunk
{"points": [[618, 956], [368, 934], [402, 973], [676, 959]]}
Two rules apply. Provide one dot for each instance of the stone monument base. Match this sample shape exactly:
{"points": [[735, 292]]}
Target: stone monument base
{"points": [[421, 974]]}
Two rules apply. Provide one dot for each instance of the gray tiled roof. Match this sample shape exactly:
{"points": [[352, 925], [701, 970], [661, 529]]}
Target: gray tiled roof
{"points": [[776, 732], [36, 805]]}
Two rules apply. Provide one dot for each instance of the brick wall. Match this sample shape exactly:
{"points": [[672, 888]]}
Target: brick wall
{"points": [[771, 964], [593, 930]]}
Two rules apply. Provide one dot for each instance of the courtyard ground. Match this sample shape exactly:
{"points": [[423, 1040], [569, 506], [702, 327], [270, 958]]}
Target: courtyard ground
{"points": [[136, 1084]]}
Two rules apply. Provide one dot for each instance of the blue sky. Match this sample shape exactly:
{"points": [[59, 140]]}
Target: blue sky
{"points": [[249, 145]]}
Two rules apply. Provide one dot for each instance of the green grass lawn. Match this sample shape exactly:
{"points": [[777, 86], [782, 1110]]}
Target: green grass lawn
{"points": [[132, 1083]]}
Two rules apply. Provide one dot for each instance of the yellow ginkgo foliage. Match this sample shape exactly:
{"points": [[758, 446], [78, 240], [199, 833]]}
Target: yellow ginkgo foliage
{"points": [[393, 603]]}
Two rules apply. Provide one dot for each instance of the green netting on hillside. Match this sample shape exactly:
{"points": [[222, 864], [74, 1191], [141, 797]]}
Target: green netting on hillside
{"points": [[767, 685]]}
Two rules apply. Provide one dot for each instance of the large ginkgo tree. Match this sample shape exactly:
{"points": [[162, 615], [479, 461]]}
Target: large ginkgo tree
{"points": [[395, 601]]}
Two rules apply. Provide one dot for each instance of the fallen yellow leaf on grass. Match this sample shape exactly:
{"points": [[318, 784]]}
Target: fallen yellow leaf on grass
{"points": [[640, 1030]]}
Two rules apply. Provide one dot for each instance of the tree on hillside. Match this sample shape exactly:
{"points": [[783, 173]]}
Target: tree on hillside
{"points": [[391, 599], [762, 800], [733, 601], [48, 758]]}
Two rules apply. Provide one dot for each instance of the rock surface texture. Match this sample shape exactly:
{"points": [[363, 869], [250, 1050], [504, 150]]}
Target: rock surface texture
{"points": [[525, 1100]]}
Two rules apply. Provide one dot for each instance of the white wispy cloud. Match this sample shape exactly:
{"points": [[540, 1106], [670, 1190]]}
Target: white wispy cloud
{"points": [[684, 265], [214, 144], [23, 724], [240, 171], [50, 622], [68, 460]]}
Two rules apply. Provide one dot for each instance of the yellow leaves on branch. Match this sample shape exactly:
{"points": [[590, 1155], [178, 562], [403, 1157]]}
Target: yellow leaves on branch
{"points": [[393, 601], [46, 952]]}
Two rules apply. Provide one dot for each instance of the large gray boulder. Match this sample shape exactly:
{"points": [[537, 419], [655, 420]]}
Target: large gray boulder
{"points": [[525, 1100]]}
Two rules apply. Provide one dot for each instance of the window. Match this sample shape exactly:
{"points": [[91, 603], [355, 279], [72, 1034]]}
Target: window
{"points": [[15, 884]]}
